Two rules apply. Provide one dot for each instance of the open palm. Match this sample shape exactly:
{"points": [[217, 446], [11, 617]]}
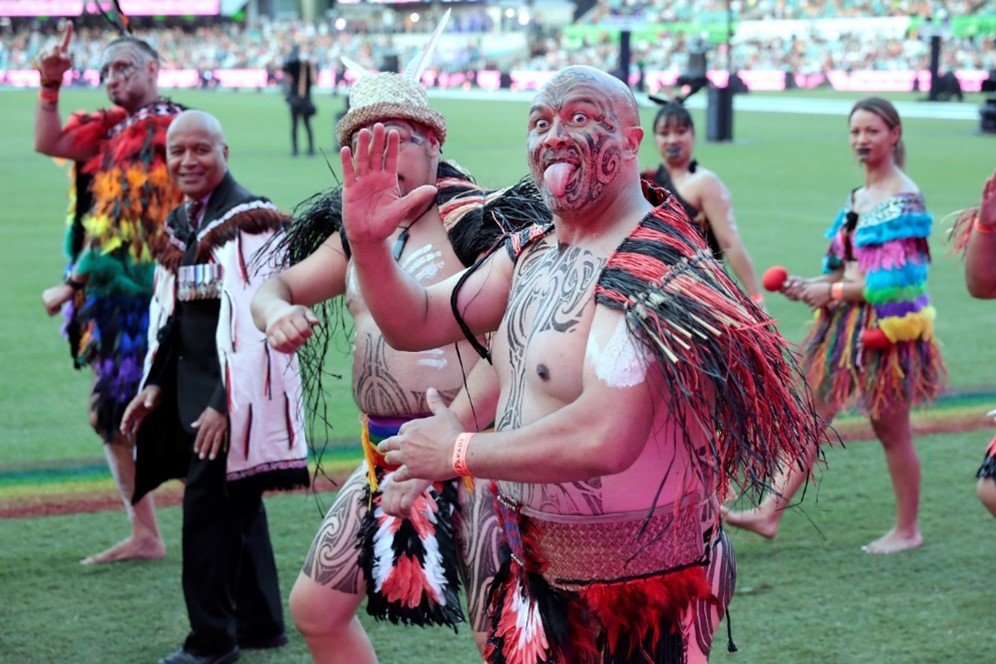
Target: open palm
{"points": [[372, 204]]}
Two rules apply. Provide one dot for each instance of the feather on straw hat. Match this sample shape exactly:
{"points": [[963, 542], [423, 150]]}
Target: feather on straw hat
{"points": [[388, 96]]}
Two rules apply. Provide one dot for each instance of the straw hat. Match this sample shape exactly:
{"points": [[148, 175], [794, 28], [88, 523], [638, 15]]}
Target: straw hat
{"points": [[387, 96]]}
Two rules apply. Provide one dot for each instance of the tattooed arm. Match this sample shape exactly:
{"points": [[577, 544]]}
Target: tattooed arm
{"points": [[600, 432], [474, 407]]}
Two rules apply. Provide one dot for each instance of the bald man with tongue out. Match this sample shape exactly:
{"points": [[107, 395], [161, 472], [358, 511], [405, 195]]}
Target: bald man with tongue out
{"points": [[602, 460]]}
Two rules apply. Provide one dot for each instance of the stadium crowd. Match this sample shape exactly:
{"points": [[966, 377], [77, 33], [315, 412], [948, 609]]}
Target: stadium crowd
{"points": [[746, 10], [209, 45]]}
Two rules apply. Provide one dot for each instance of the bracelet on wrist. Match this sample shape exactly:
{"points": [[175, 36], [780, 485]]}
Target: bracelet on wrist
{"points": [[48, 94], [757, 298], [837, 290], [460, 454], [75, 285], [982, 228]]}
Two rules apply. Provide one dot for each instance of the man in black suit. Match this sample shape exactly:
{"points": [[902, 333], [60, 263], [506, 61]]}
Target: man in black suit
{"points": [[216, 407]]}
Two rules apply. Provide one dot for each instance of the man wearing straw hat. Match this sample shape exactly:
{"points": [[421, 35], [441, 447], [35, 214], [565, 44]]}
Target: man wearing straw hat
{"points": [[407, 567]]}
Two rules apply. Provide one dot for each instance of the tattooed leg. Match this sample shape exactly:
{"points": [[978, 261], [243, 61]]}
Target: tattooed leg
{"points": [[330, 588], [699, 625], [478, 536]]}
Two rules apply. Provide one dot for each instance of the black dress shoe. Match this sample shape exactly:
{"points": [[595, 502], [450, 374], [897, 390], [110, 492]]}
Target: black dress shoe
{"points": [[181, 656], [266, 643]]}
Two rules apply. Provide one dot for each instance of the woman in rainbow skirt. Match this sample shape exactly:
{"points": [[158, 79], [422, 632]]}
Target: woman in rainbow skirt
{"points": [[872, 344]]}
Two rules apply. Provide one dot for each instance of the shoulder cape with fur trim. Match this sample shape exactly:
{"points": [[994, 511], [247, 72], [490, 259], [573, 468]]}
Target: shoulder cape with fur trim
{"points": [[253, 216]]}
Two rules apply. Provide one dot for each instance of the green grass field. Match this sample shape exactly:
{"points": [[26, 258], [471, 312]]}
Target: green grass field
{"points": [[809, 596]]}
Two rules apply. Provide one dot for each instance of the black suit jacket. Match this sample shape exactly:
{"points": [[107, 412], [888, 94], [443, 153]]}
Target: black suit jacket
{"points": [[186, 365], [189, 351]]}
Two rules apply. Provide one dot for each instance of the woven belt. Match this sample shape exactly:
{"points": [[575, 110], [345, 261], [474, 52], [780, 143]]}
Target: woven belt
{"points": [[579, 551]]}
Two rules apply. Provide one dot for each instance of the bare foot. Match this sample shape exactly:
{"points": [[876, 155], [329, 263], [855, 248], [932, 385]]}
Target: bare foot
{"points": [[129, 549], [893, 542], [756, 521]]}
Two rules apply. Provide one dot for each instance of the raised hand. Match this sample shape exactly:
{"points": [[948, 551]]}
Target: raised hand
{"points": [[987, 208], [55, 62], [372, 203]]}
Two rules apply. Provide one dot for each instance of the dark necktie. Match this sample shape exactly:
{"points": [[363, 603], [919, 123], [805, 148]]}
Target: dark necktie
{"points": [[194, 209]]}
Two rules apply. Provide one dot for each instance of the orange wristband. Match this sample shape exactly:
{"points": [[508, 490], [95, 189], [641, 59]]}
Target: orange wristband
{"points": [[757, 298], [837, 290], [46, 94], [985, 230], [460, 454]]}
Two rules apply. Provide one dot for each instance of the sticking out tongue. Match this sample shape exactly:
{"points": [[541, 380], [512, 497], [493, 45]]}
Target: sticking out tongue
{"points": [[557, 176]]}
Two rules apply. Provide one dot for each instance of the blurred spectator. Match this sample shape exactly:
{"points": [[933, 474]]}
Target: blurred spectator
{"points": [[262, 44], [300, 73]]}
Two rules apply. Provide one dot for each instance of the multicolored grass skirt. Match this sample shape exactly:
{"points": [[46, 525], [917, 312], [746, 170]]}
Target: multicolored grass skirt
{"points": [[410, 563], [844, 375]]}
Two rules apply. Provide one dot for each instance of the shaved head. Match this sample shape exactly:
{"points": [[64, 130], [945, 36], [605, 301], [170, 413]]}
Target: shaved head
{"points": [[580, 76], [196, 153], [201, 120]]}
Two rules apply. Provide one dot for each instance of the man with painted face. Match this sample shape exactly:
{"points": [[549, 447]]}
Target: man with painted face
{"points": [[120, 161], [635, 379], [216, 406]]}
